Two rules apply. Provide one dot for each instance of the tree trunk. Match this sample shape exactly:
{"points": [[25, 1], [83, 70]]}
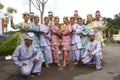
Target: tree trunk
{"points": [[6, 27], [41, 17], [42, 12]]}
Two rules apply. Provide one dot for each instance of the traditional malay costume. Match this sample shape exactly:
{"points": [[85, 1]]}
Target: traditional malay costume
{"points": [[27, 54], [55, 42], [93, 47], [23, 28], [45, 44], [76, 41], [66, 30], [83, 36], [35, 30]]}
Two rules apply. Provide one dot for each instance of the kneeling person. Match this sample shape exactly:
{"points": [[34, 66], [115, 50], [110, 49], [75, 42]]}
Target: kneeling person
{"points": [[92, 52], [27, 57]]}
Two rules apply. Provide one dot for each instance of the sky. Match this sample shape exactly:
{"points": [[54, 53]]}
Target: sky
{"points": [[108, 8]]}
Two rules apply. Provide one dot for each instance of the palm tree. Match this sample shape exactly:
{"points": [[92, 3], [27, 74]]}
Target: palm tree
{"points": [[10, 11]]}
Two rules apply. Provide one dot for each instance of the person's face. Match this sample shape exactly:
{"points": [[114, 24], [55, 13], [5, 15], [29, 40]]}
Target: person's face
{"points": [[79, 22], [75, 15], [31, 17], [97, 15], [36, 20], [28, 42], [72, 21], [89, 18], [65, 21], [91, 37], [50, 17], [56, 21], [26, 18], [46, 21]]}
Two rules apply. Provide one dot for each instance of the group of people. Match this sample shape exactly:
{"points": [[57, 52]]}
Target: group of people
{"points": [[40, 43]]}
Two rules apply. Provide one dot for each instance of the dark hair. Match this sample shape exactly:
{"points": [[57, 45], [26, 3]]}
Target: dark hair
{"points": [[65, 17], [72, 18], [36, 16], [97, 11], [79, 18], [56, 17], [25, 14], [46, 18]]}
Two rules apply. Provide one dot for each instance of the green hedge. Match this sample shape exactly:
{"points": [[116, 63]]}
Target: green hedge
{"points": [[8, 46]]}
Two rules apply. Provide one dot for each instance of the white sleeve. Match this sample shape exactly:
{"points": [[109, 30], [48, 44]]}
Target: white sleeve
{"points": [[16, 55], [86, 51], [78, 29], [98, 48], [36, 53]]}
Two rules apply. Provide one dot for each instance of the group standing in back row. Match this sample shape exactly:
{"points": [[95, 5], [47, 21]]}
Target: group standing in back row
{"points": [[85, 42]]}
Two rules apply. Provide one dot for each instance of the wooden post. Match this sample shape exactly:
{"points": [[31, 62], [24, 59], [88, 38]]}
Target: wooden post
{"points": [[2, 17], [2, 26]]}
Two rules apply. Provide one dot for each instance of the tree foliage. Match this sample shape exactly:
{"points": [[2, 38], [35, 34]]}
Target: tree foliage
{"points": [[113, 25], [110, 30], [11, 10], [1, 6]]}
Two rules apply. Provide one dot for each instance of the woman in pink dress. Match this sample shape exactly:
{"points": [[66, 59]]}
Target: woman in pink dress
{"points": [[55, 31], [66, 40]]}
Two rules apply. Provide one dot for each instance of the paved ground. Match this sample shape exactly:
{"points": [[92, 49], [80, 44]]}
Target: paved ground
{"points": [[111, 69]]}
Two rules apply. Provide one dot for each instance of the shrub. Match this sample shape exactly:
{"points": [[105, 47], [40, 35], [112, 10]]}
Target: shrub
{"points": [[8, 46]]}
